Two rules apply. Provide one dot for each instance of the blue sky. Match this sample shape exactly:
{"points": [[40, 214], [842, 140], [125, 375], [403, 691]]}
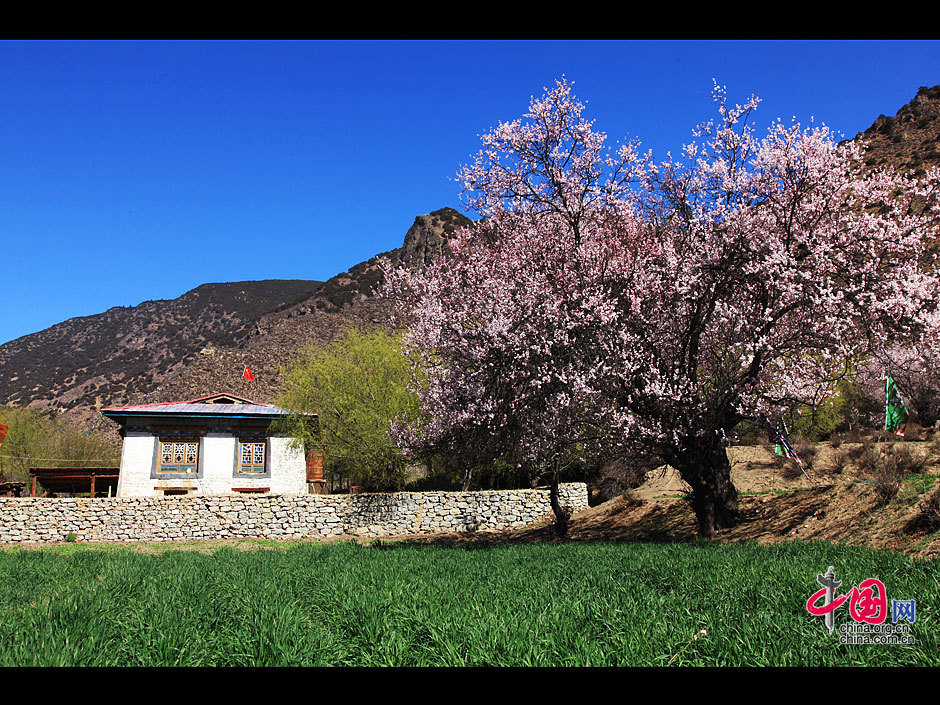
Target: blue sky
{"points": [[139, 170]]}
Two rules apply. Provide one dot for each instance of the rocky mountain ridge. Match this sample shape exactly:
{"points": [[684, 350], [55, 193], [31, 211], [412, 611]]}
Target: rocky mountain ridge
{"points": [[910, 140], [279, 337]]}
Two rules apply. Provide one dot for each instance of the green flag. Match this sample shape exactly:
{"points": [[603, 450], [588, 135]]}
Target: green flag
{"points": [[783, 446], [895, 412]]}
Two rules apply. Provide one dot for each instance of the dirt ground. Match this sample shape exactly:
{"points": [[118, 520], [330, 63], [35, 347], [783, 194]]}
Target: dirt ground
{"points": [[834, 500]]}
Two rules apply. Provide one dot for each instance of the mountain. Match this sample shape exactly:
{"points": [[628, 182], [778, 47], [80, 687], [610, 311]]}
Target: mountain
{"points": [[909, 141], [424, 242], [106, 357], [201, 342], [280, 336]]}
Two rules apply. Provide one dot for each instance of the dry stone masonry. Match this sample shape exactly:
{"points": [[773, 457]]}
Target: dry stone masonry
{"points": [[284, 516]]}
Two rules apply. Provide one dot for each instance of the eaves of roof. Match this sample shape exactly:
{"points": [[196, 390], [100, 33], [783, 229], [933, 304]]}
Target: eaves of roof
{"points": [[189, 409]]}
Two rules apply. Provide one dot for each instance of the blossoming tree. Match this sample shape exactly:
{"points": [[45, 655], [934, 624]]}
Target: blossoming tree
{"points": [[605, 299], [915, 368]]}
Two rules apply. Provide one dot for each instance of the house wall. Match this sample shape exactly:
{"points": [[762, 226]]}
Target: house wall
{"points": [[137, 456], [285, 516], [218, 460]]}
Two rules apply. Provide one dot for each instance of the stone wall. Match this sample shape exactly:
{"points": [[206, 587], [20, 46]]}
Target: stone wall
{"points": [[284, 516]]}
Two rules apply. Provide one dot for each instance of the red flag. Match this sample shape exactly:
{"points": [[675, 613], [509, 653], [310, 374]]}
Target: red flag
{"points": [[248, 375], [3, 432]]}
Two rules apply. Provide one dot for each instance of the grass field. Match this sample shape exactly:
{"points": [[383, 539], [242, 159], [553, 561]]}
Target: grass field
{"points": [[575, 604]]}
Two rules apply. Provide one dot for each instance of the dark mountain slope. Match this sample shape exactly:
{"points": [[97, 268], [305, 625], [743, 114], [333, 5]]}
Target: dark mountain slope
{"points": [[909, 141], [279, 337], [108, 357]]}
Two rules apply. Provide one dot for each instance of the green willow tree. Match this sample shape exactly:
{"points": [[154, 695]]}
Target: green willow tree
{"points": [[357, 386], [36, 439]]}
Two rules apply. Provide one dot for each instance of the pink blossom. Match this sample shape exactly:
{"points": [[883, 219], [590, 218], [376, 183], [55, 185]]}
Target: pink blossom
{"points": [[604, 299]]}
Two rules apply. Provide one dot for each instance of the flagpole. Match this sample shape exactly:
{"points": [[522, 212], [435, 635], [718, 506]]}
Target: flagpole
{"points": [[884, 433], [887, 387], [788, 451]]}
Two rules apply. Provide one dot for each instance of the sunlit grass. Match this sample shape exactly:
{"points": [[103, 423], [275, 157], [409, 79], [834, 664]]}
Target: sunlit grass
{"points": [[403, 605]]}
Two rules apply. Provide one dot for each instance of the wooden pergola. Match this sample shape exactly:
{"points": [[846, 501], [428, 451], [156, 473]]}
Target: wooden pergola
{"points": [[11, 489], [97, 481]]}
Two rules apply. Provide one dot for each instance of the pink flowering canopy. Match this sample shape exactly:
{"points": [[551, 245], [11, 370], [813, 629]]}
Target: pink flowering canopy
{"points": [[605, 298], [915, 368]]}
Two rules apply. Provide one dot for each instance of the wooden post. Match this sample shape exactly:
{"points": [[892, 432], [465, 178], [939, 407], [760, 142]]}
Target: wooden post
{"points": [[93, 485], [315, 480], [34, 487]]}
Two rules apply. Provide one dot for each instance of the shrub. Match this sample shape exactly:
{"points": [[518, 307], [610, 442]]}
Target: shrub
{"points": [[789, 469], [807, 452], [619, 476], [853, 435], [927, 517], [909, 461], [886, 467], [860, 452], [842, 459]]}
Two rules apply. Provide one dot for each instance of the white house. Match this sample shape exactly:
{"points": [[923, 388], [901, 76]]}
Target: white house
{"points": [[218, 444]]}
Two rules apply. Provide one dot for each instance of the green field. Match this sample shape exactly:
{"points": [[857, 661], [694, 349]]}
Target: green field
{"points": [[404, 605]]}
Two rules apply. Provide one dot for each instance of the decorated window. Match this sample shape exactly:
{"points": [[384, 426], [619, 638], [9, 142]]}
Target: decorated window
{"points": [[251, 458], [179, 457]]}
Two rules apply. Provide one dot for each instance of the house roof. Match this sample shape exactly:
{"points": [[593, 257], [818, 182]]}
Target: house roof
{"points": [[214, 405]]}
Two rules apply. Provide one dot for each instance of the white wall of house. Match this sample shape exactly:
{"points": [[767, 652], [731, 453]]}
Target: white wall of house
{"points": [[293, 477], [137, 457], [285, 467]]}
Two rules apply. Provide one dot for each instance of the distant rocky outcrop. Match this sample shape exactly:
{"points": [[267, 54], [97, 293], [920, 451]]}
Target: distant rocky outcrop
{"points": [[908, 141], [424, 242]]}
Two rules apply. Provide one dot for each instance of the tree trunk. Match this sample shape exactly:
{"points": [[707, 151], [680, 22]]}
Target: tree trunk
{"points": [[467, 476], [714, 498], [562, 515]]}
